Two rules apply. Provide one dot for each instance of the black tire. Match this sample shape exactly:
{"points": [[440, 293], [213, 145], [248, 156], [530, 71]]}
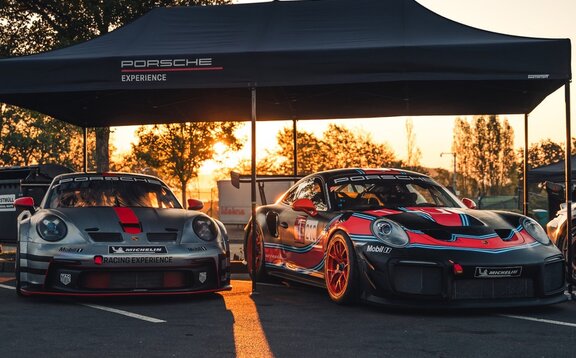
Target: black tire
{"points": [[17, 271], [341, 272], [260, 273]]}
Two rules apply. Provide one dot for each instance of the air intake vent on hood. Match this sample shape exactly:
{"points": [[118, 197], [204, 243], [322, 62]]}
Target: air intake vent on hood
{"points": [[162, 236], [479, 233], [439, 234], [506, 234], [106, 236]]}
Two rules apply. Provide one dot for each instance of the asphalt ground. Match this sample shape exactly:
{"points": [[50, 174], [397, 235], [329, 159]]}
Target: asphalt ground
{"points": [[279, 320], [282, 319]]}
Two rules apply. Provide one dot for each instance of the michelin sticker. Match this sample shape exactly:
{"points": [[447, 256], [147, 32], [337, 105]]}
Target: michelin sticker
{"points": [[490, 272], [137, 250]]}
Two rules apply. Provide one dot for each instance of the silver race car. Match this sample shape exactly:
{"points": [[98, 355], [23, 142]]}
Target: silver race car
{"points": [[117, 234]]}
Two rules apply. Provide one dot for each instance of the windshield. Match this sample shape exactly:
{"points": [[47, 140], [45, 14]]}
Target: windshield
{"points": [[390, 193], [97, 191]]}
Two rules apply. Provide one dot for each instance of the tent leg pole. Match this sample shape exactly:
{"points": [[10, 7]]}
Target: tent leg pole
{"points": [[568, 192], [85, 149], [525, 168], [295, 146], [253, 189]]}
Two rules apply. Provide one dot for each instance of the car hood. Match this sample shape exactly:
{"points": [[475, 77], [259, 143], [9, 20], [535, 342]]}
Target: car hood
{"points": [[444, 223], [110, 219]]}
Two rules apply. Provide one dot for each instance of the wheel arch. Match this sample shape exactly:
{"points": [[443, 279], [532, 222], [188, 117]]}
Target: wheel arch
{"points": [[332, 231], [260, 220]]}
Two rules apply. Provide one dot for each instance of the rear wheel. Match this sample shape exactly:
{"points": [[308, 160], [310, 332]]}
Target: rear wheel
{"points": [[259, 274], [341, 270]]}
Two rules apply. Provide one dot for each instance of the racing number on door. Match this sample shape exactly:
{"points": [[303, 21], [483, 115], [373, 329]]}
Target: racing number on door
{"points": [[305, 230]]}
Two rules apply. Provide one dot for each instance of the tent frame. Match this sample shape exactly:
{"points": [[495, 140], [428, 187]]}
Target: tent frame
{"points": [[568, 192]]}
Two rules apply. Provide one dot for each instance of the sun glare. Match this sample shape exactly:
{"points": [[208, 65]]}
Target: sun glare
{"points": [[220, 148], [223, 158]]}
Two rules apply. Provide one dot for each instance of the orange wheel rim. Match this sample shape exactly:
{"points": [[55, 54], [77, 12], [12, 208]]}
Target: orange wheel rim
{"points": [[337, 268]]}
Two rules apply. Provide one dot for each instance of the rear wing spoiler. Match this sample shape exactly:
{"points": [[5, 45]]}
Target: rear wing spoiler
{"points": [[237, 178]]}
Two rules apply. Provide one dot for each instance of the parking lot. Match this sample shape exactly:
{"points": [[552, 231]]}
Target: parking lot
{"points": [[281, 320]]}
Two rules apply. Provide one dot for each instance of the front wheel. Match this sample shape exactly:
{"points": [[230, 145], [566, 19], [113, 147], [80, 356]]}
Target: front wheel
{"points": [[341, 270]]}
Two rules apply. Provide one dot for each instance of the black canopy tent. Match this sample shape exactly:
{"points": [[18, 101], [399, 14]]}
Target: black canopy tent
{"points": [[554, 172], [308, 59], [304, 59], [553, 176]]}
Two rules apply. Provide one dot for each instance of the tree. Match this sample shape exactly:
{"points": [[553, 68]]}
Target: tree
{"points": [[499, 153], [28, 27], [309, 147], [348, 149], [485, 154], [462, 146], [26, 138], [441, 175], [413, 153], [542, 153], [338, 148], [176, 151]]}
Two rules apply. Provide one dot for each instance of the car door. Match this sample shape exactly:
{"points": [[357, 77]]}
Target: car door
{"points": [[300, 230]]}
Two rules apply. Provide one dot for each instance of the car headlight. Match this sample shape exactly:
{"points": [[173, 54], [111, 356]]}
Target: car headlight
{"points": [[390, 232], [536, 231], [204, 228], [52, 228]]}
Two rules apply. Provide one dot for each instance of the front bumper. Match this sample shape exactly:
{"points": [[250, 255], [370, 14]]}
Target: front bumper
{"points": [[456, 279], [180, 271]]}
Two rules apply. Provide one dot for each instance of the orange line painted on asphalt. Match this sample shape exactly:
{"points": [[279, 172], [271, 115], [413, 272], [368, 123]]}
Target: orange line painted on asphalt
{"points": [[6, 279], [249, 337]]}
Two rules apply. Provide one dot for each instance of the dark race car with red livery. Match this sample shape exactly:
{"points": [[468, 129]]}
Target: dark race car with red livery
{"points": [[117, 234], [397, 237]]}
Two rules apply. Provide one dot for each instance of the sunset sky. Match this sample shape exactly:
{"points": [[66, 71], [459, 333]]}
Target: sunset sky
{"points": [[533, 18]]}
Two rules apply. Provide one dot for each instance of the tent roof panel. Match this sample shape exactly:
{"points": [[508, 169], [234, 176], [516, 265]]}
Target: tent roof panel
{"points": [[312, 59]]}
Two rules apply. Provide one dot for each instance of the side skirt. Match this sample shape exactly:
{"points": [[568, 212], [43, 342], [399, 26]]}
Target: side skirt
{"points": [[298, 278]]}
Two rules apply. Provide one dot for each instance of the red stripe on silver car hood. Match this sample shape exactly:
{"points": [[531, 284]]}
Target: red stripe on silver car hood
{"points": [[128, 220]]}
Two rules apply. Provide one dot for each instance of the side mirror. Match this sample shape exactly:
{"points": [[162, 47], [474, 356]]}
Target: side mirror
{"points": [[194, 204], [24, 203], [305, 205], [469, 203]]}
